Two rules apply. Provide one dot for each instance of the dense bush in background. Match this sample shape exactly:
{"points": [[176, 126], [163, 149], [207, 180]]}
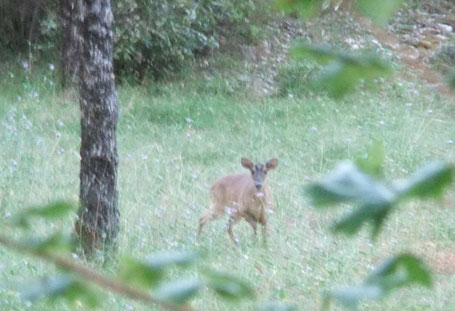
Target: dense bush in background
{"points": [[444, 59], [159, 36], [154, 37], [28, 21]]}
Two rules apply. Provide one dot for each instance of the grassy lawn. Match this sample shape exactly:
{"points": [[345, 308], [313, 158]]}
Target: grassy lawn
{"points": [[176, 139]]}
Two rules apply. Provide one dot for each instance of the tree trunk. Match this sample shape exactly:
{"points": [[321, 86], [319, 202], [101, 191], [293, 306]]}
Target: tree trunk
{"points": [[98, 223], [71, 18]]}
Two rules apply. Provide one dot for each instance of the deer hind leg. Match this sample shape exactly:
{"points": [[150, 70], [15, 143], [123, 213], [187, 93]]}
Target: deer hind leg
{"points": [[213, 213], [203, 220]]}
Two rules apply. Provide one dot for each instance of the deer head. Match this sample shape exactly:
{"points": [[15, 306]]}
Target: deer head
{"points": [[259, 171]]}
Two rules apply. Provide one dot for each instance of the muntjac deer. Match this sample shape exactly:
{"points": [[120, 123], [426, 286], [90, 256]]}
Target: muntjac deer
{"points": [[242, 196]]}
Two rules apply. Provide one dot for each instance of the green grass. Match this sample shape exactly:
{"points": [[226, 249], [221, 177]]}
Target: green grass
{"points": [[168, 162]]}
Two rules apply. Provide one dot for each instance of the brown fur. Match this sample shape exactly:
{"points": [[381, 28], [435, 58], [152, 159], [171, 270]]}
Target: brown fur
{"points": [[239, 196]]}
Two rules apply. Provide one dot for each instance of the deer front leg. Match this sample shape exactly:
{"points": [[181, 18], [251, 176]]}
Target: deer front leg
{"points": [[263, 222], [232, 221], [252, 221]]}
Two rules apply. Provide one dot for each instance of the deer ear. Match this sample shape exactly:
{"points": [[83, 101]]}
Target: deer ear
{"points": [[272, 164], [247, 163]]}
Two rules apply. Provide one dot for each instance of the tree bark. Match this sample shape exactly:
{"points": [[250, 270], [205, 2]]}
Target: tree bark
{"points": [[98, 223], [71, 18]]}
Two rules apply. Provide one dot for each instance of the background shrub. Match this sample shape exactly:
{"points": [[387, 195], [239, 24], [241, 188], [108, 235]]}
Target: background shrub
{"points": [[161, 36], [151, 37], [28, 21], [444, 59]]}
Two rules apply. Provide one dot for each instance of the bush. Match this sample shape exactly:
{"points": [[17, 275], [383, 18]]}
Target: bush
{"points": [[295, 78], [160, 36], [28, 21], [156, 37], [444, 59]]}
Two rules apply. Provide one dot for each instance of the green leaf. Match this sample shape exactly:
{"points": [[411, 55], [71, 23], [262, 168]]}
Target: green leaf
{"points": [[163, 259], [139, 272], [321, 54], [227, 286], [379, 11], [177, 291], [307, 8], [275, 306], [149, 272], [64, 286], [342, 76], [53, 243], [375, 214], [350, 296], [373, 163], [400, 270], [451, 79], [343, 71], [54, 210], [396, 272], [428, 181], [349, 184]]}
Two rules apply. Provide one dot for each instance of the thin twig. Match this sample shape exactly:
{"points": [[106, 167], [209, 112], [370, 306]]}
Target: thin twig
{"points": [[115, 286]]}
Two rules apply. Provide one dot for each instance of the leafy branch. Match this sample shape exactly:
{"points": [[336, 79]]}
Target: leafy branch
{"points": [[361, 184], [343, 71], [115, 286], [135, 276], [375, 199], [395, 272], [378, 11]]}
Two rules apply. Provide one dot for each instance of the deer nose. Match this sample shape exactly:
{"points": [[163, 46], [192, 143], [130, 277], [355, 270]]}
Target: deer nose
{"points": [[258, 186]]}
